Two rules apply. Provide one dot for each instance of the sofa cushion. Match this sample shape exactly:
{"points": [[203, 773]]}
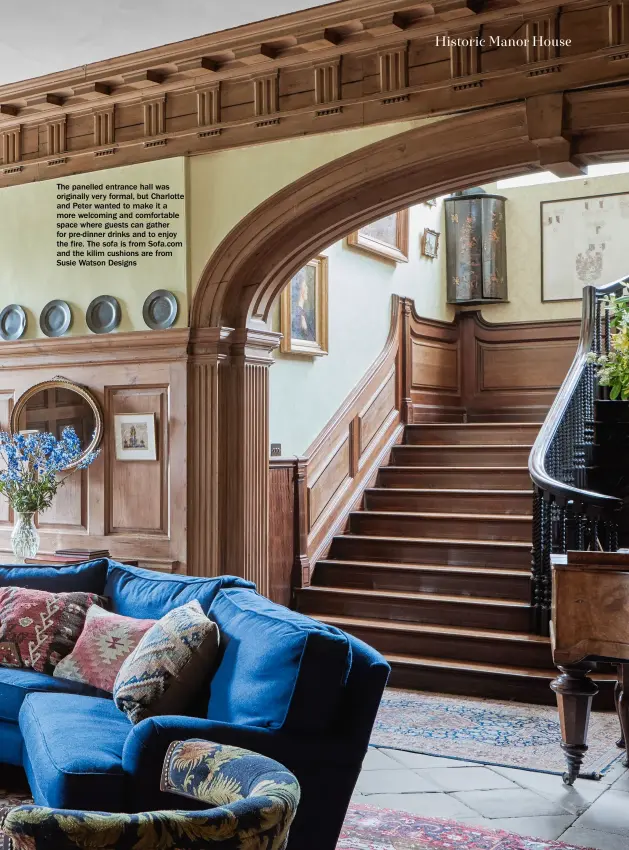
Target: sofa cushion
{"points": [[15, 685], [73, 751], [85, 578], [169, 666], [106, 641], [149, 595], [39, 628], [277, 668]]}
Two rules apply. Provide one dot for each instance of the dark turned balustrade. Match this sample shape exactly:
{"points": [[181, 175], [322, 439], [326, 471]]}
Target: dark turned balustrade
{"points": [[566, 514]]}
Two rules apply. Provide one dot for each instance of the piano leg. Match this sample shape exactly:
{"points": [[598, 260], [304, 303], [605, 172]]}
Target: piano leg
{"points": [[622, 706], [575, 692]]}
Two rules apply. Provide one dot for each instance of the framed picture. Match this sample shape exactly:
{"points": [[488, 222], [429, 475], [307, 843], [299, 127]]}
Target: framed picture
{"points": [[304, 311], [135, 436], [387, 237], [583, 242], [430, 243]]}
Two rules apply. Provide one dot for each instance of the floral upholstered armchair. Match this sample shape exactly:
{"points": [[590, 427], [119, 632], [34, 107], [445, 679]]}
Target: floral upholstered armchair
{"points": [[252, 801]]}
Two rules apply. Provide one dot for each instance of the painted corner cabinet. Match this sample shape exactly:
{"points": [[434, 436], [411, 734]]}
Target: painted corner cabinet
{"points": [[476, 248]]}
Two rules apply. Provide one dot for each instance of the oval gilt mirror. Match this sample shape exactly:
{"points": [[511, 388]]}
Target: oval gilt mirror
{"points": [[53, 405]]}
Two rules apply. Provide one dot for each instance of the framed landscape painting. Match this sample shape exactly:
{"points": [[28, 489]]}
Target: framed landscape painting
{"points": [[304, 311], [387, 237], [583, 242]]}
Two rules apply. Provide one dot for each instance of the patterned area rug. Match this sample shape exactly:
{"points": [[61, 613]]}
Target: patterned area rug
{"points": [[14, 791], [368, 828], [507, 734]]}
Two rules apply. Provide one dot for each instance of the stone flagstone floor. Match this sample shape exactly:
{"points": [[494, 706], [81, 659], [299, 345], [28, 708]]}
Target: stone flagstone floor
{"points": [[591, 814]]}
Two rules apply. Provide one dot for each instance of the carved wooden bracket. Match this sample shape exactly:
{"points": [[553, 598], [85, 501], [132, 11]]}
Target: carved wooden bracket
{"points": [[545, 125]]}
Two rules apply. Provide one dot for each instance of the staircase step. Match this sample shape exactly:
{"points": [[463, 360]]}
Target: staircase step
{"points": [[427, 550], [457, 455], [468, 477], [429, 578], [448, 642], [468, 433], [478, 612], [453, 501], [442, 525], [491, 681]]}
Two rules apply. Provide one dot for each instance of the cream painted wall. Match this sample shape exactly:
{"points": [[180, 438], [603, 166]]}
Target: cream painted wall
{"points": [[305, 392], [30, 277], [524, 252], [226, 185]]}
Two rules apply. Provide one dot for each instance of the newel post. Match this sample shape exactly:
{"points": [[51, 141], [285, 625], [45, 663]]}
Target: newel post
{"points": [[405, 362]]}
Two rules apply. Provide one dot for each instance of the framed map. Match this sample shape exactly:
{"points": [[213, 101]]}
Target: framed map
{"points": [[387, 237], [583, 242]]}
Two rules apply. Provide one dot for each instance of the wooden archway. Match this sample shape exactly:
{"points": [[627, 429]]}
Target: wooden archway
{"points": [[231, 345]]}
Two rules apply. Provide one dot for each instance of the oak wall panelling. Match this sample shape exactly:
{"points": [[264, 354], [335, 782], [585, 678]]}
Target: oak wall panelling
{"points": [[345, 457], [136, 509], [429, 371], [514, 370]]}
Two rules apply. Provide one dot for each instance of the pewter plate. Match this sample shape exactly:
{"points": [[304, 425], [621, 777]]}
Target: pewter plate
{"points": [[160, 310], [12, 322], [103, 315], [55, 318]]}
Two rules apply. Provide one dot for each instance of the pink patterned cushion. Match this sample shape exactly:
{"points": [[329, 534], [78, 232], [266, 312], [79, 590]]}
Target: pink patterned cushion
{"points": [[106, 641], [37, 628]]}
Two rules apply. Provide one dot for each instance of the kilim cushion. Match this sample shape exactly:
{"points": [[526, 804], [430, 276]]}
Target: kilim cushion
{"points": [[170, 664], [38, 629], [106, 641]]}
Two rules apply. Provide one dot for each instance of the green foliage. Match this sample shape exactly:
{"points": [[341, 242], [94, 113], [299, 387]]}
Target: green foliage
{"points": [[613, 368]]}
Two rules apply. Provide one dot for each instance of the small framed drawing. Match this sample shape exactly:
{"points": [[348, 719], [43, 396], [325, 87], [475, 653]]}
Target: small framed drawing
{"points": [[304, 311], [430, 244], [135, 436], [387, 237]]}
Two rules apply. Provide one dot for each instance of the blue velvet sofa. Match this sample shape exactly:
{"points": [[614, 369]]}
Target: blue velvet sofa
{"points": [[286, 686]]}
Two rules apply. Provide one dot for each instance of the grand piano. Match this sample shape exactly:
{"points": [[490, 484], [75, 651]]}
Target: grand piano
{"points": [[590, 626]]}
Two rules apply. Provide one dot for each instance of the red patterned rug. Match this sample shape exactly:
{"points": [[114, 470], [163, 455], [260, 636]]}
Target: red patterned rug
{"points": [[369, 828]]}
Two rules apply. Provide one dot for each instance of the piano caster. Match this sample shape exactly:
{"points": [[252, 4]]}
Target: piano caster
{"points": [[568, 778]]}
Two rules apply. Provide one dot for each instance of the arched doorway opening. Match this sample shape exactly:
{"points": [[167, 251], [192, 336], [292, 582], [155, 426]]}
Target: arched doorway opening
{"points": [[231, 345]]}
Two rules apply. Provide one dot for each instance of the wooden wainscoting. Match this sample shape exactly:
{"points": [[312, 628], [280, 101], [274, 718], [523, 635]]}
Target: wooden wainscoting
{"points": [[513, 371], [433, 377], [428, 371], [136, 509], [311, 497]]}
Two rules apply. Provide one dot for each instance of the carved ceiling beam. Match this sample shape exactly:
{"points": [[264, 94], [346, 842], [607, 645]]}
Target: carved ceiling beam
{"points": [[545, 126], [357, 76]]}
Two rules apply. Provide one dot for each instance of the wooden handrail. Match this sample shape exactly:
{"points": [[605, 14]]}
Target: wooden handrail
{"points": [[542, 479]]}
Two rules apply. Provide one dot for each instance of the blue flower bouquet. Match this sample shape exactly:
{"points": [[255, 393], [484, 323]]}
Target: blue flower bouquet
{"points": [[35, 466]]}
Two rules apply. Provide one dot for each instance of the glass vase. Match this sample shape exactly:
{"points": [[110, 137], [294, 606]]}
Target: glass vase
{"points": [[25, 537]]}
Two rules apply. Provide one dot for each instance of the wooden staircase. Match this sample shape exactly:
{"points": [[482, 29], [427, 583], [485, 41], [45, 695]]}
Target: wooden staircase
{"points": [[434, 571]]}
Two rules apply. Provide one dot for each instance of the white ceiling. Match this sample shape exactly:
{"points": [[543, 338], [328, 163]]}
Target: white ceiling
{"points": [[39, 36]]}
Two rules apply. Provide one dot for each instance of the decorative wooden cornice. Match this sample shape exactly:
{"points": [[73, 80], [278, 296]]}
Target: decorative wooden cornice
{"points": [[339, 66]]}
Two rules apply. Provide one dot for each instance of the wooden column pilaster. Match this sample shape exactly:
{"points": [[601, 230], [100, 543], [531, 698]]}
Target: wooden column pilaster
{"points": [[229, 452], [209, 347], [244, 455]]}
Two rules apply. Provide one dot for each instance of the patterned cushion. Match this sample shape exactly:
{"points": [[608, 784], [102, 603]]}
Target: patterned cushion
{"points": [[106, 641], [255, 797], [37, 628], [170, 664]]}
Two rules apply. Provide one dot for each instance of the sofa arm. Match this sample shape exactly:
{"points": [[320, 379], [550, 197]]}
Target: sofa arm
{"points": [[147, 744]]}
